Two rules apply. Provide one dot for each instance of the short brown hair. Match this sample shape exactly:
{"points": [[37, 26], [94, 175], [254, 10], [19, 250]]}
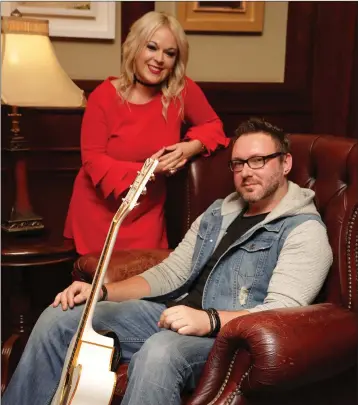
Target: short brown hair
{"points": [[254, 125]]}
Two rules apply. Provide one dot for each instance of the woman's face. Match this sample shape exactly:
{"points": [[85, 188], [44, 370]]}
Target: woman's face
{"points": [[157, 59]]}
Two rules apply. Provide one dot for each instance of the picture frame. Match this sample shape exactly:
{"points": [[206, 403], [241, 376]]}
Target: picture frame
{"points": [[221, 16], [73, 19]]}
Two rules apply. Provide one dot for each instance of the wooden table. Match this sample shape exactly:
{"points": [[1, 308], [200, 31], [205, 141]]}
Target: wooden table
{"points": [[34, 269]]}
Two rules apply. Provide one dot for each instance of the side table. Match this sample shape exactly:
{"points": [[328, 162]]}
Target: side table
{"points": [[33, 270]]}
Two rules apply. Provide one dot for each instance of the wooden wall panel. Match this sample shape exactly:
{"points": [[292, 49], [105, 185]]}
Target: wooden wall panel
{"points": [[333, 76], [131, 11], [53, 160]]}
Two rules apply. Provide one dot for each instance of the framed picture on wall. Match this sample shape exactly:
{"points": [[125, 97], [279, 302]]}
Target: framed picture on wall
{"points": [[221, 16], [73, 19]]}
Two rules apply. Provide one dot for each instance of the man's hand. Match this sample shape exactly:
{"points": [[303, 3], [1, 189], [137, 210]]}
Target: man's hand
{"points": [[185, 321], [75, 294]]}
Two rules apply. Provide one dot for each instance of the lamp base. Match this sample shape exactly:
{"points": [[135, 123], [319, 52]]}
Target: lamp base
{"points": [[21, 223]]}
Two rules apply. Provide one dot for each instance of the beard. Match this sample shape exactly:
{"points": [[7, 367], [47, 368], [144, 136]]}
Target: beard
{"points": [[266, 190]]}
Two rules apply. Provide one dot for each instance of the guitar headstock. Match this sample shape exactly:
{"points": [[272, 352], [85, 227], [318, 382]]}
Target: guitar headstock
{"points": [[139, 185]]}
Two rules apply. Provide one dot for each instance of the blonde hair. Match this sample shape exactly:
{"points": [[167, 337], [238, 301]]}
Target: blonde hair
{"points": [[140, 33]]}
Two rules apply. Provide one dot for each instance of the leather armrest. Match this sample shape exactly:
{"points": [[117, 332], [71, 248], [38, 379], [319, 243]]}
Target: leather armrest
{"points": [[279, 350], [123, 264]]}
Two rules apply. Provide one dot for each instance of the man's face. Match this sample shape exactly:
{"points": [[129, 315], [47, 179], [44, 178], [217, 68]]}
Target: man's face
{"points": [[258, 184]]}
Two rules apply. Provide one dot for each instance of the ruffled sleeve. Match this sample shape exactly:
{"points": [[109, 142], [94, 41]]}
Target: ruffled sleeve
{"points": [[206, 125]]}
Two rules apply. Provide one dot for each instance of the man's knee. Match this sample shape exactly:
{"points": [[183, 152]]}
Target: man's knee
{"points": [[55, 321], [174, 349], [164, 346]]}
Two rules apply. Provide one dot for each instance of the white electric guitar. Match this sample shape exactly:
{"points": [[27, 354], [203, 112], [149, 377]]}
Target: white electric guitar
{"points": [[87, 378]]}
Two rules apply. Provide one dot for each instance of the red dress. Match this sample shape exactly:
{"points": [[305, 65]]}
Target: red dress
{"points": [[116, 138]]}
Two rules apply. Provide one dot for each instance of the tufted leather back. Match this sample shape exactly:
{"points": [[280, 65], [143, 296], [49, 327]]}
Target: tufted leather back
{"points": [[329, 166], [326, 164]]}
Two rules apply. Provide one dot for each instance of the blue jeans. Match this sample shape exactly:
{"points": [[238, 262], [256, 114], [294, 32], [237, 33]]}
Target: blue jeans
{"points": [[161, 362]]}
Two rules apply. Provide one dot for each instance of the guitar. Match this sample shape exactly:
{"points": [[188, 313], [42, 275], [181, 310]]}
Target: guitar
{"points": [[86, 377]]}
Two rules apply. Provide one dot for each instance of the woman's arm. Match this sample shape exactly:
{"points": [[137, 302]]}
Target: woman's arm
{"points": [[206, 125], [205, 135]]}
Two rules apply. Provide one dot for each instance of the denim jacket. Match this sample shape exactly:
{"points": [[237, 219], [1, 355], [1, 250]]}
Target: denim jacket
{"points": [[240, 278]]}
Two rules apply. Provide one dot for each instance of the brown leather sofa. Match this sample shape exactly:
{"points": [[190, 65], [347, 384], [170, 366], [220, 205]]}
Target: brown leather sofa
{"points": [[299, 356]]}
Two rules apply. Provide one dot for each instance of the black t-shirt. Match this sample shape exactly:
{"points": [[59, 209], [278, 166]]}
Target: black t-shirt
{"points": [[237, 228]]}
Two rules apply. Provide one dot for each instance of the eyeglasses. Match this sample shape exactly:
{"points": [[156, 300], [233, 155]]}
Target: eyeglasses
{"points": [[255, 162]]}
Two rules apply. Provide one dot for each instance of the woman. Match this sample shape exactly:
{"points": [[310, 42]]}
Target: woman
{"points": [[133, 117]]}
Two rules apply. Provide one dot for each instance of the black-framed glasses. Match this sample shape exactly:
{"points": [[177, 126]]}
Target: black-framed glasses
{"points": [[255, 162]]}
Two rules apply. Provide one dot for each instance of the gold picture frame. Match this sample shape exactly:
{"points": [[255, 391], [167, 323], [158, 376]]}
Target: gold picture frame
{"points": [[221, 16]]}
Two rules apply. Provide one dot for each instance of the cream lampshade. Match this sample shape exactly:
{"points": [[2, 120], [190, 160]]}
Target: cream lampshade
{"points": [[31, 76]]}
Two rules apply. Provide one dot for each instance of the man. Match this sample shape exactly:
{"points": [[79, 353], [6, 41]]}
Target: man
{"points": [[262, 247]]}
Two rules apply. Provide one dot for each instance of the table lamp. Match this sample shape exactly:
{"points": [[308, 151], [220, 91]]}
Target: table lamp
{"points": [[31, 76]]}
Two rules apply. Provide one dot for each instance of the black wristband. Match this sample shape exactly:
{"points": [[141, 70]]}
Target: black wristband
{"points": [[211, 322], [105, 293], [216, 316]]}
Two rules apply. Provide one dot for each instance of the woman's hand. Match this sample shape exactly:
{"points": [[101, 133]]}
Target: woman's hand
{"points": [[77, 293], [185, 320], [174, 157], [161, 165]]}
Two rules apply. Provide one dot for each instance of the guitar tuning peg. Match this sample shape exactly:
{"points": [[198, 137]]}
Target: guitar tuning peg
{"points": [[144, 192], [138, 172], [152, 177], [136, 204]]}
